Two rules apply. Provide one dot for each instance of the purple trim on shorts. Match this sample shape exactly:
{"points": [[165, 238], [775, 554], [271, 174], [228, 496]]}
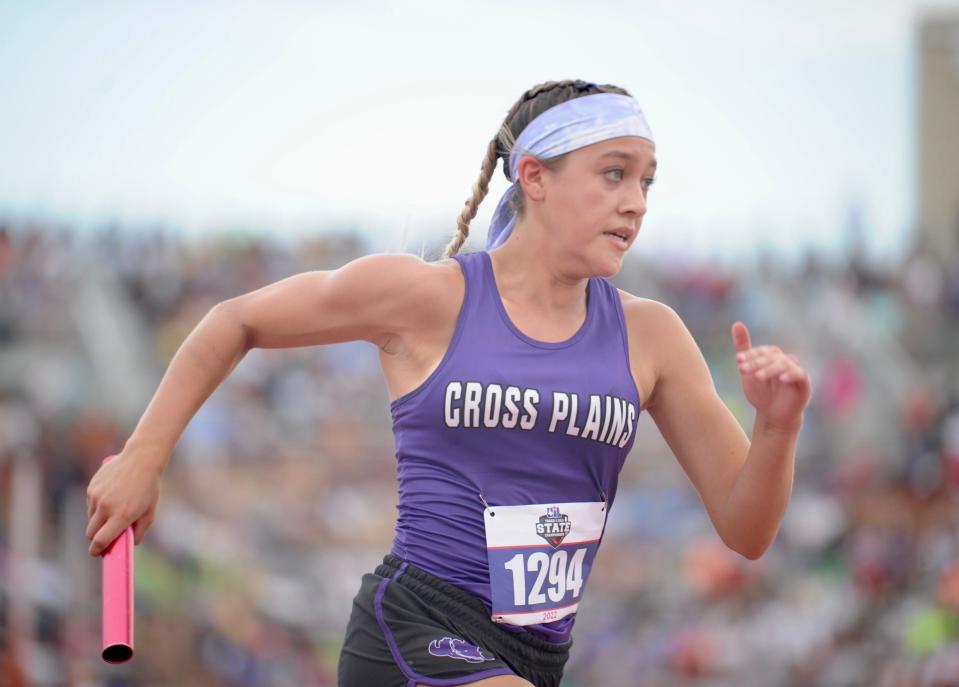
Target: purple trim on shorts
{"points": [[414, 677]]}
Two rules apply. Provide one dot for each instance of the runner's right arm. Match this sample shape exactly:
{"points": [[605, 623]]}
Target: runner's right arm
{"points": [[369, 299]]}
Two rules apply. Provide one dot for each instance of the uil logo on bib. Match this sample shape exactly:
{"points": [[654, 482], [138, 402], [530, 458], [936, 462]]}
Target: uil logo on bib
{"points": [[554, 526]]}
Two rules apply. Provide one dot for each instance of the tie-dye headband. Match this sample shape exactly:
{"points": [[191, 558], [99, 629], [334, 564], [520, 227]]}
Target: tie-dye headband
{"points": [[570, 125]]}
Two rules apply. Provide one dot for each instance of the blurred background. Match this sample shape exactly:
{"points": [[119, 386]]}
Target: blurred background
{"points": [[158, 158]]}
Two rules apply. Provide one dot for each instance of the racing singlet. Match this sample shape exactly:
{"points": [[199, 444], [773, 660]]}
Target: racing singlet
{"points": [[509, 455]]}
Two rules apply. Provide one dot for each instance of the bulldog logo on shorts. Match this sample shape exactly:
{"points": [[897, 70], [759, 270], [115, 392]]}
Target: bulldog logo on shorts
{"points": [[458, 648], [554, 526]]}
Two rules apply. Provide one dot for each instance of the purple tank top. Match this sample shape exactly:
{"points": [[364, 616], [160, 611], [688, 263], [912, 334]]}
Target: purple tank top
{"points": [[507, 420]]}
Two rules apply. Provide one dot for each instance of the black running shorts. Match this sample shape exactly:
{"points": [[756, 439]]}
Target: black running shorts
{"points": [[409, 627]]}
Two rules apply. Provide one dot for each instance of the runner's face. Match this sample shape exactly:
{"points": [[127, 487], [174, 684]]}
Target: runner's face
{"points": [[599, 192]]}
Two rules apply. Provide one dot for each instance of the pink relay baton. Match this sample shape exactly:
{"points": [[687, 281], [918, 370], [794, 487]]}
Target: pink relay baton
{"points": [[117, 613]]}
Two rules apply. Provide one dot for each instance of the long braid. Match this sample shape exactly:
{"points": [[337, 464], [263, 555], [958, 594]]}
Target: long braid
{"points": [[503, 139], [480, 189], [502, 145]]}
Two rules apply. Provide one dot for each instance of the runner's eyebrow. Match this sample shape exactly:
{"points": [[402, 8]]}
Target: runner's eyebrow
{"points": [[629, 157]]}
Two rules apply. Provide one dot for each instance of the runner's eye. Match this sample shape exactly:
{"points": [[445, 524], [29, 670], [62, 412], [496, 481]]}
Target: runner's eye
{"points": [[617, 172], [648, 181]]}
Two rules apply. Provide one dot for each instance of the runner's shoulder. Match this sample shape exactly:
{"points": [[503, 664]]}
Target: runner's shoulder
{"points": [[651, 324], [414, 288], [640, 311]]}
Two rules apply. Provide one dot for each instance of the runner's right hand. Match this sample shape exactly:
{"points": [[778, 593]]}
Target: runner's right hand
{"points": [[123, 492]]}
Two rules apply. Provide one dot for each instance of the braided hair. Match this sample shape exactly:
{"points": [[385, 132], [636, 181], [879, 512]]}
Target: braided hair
{"points": [[531, 104]]}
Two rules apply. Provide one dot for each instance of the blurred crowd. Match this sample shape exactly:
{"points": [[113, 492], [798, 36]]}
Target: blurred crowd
{"points": [[281, 492]]}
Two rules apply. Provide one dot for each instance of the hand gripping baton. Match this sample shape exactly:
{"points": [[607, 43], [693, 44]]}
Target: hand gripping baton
{"points": [[117, 613]]}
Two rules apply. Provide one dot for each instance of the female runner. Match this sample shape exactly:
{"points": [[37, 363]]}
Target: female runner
{"points": [[516, 375]]}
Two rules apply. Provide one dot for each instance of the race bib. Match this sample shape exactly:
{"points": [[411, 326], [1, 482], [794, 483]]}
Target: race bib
{"points": [[539, 558]]}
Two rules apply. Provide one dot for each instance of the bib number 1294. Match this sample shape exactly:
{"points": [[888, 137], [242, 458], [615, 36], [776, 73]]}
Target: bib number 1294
{"points": [[559, 571], [539, 558]]}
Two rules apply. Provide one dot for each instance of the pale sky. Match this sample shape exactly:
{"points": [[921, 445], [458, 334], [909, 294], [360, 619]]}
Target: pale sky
{"points": [[771, 119]]}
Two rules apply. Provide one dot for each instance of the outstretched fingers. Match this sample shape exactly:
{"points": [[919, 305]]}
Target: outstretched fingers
{"points": [[775, 367], [741, 338], [758, 357]]}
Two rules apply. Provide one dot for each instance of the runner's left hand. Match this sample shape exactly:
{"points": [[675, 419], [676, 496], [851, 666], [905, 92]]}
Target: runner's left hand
{"points": [[773, 381]]}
